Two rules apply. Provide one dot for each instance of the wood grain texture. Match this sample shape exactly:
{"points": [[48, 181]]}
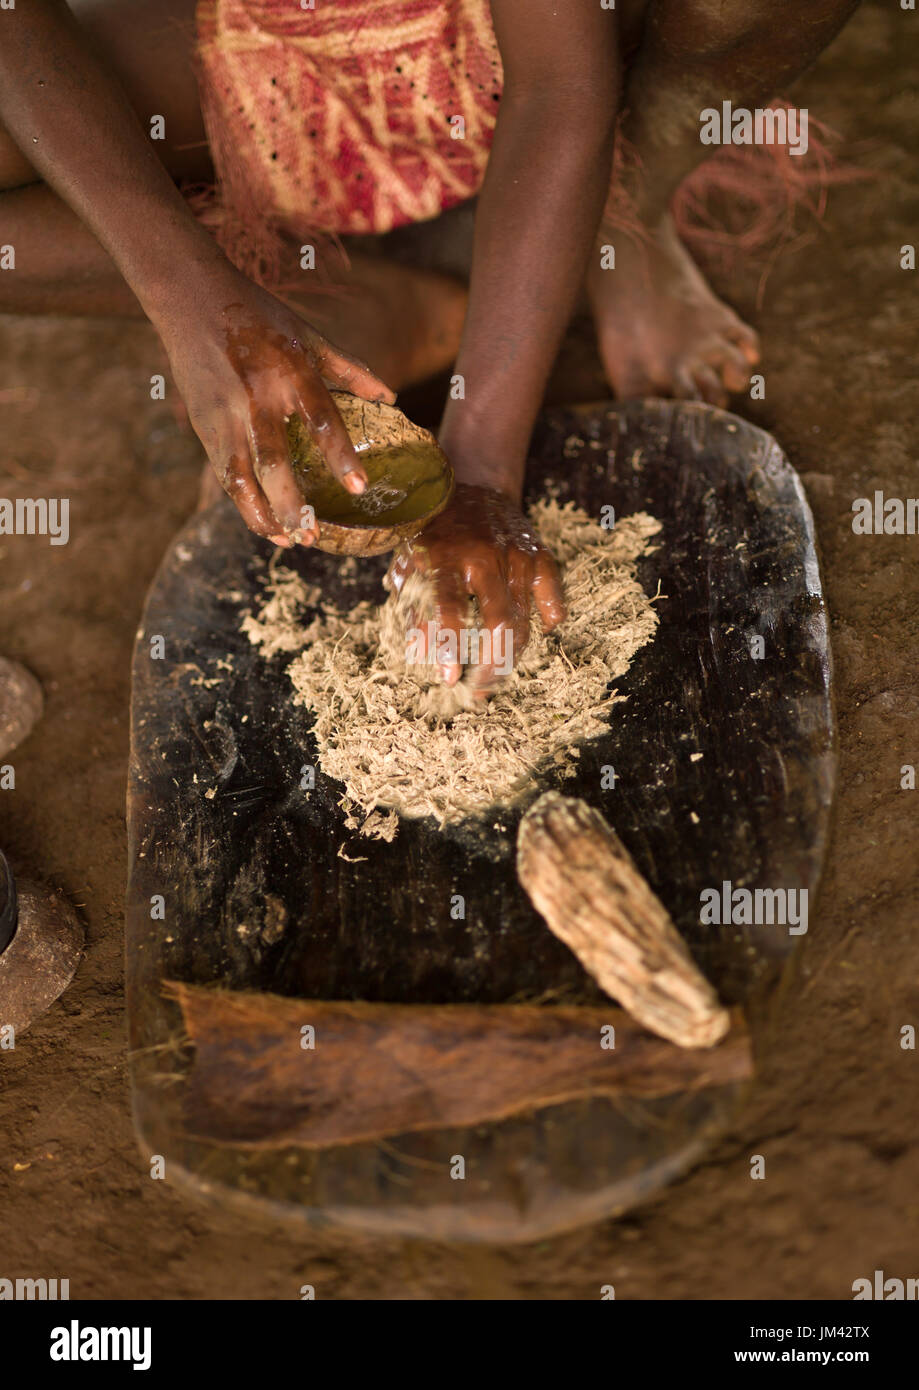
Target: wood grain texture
{"points": [[377, 1069], [724, 771]]}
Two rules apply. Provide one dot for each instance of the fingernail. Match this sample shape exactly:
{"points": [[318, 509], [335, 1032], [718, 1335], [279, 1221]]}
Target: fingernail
{"points": [[280, 540], [354, 482]]}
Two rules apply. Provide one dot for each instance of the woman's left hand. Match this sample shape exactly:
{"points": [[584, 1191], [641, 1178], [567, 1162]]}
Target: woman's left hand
{"points": [[482, 546]]}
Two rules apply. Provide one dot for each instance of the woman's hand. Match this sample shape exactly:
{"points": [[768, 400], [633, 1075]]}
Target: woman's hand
{"points": [[482, 546], [243, 361]]}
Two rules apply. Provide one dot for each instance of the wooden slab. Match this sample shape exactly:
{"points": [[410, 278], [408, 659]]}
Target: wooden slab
{"points": [[724, 769]]}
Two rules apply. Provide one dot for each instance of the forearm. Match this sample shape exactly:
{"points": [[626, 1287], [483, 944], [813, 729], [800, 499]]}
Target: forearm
{"points": [[72, 121], [538, 214]]}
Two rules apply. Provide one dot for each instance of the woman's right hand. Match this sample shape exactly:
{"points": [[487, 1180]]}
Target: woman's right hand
{"points": [[243, 361]]}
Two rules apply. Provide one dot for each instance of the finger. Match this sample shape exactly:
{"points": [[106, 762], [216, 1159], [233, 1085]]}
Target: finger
{"points": [[684, 388], [520, 585], [307, 532], [548, 592], [709, 385], [234, 471], [268, 448], [451, 613], [486, 676], [324, 425], [351, 374], [405, 562], [416, 638], [420, 638], [496, 656]]}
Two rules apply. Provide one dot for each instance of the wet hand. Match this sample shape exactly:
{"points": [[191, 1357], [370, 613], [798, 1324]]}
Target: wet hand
{"points": [[244, 364], [482, 547]]}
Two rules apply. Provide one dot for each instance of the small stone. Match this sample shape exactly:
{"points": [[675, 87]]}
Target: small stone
{"points": [[21, 705]]}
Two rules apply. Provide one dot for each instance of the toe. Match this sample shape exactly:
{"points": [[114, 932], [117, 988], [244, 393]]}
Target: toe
{"points": [[684, 385], [709, 385], [746, 340], [729, 362], [735, 369]]}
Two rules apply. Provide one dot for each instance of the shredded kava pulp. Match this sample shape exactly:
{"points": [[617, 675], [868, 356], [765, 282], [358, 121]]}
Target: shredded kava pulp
{"points": [[403, 744]]}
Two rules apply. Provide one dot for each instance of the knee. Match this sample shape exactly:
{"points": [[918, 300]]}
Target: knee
{"points": [[690, 29]]}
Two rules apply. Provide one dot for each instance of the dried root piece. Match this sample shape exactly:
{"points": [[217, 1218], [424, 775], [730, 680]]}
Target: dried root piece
{"points": [[585, 883]]}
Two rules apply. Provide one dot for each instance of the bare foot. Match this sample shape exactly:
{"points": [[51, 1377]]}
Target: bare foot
{"points": [[404, 323], [660, 328]]}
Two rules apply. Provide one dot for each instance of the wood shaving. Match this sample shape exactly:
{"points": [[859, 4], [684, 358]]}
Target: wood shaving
{"points": [[279, 625], [402, 743]]}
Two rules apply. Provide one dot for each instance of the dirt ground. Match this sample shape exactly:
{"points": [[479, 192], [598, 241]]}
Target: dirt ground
{"points": [[835, 1109]]}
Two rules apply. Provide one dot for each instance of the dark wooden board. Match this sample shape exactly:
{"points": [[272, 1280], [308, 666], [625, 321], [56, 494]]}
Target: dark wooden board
{"points": [[258, 898]]}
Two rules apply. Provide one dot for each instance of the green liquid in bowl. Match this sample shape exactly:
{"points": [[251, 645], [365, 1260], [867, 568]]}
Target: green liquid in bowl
{"points": [[405, 482]]}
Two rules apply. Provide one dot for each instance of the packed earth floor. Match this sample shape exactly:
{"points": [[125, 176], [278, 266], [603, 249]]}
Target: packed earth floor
{"points": [[836, 1102]]}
